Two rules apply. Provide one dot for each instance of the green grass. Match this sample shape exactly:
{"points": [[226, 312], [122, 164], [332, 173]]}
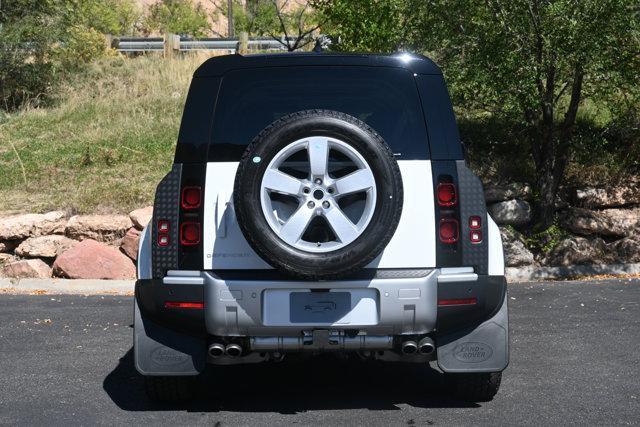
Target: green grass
{"points": [[104, 145]]}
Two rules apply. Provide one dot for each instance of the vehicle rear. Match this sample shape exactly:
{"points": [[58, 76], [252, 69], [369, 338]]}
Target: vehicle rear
{"points": [[320, 203]]}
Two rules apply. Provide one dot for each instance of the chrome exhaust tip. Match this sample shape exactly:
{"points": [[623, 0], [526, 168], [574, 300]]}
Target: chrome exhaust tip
{"points": [[233, 350], [409, 347], [216, 350], [426, 346]]}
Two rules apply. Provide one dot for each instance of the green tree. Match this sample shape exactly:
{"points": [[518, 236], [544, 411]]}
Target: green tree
{"points": [[373, 26], [530, 61], [296, 21], [41, 40], [179, 17]]}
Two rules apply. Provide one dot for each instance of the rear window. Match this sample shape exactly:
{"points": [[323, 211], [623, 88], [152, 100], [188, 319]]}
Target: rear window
{"points": [[385, 98]]}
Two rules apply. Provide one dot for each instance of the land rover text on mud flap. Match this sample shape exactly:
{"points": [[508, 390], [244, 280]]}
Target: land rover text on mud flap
{"points": [[320, 203]]}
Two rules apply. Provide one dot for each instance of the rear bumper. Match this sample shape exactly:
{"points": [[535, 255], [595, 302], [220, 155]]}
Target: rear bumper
{"points": [[242, 303]]}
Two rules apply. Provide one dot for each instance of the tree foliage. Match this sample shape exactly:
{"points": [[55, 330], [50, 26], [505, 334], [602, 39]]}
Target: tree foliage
{"points": [[42, 39], [532, 62], [296, 21], [177, 16]]}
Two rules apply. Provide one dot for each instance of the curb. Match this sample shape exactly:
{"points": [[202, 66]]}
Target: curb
{"points": [[532, 274], [126, 287], [67, 286]]}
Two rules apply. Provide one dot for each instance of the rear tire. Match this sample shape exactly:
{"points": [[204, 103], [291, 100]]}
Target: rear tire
{"points": [[475, 387], [169, 389]]}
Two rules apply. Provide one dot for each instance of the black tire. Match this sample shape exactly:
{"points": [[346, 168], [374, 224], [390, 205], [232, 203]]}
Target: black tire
{"points": [[169, 389], [475, 387], [291, 260]]}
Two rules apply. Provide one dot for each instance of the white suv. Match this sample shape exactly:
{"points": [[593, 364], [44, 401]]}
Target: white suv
{"points": [[320, 203]]}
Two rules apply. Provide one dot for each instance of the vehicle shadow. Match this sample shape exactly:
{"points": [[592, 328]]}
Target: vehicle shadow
{"points": [[293, 386]]}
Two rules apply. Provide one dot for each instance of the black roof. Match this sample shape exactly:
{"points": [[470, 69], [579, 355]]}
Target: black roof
{"points": [[219, 65]]}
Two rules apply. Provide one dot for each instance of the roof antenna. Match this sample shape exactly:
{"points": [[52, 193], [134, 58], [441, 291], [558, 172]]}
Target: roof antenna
{"points": [[318, 47]]}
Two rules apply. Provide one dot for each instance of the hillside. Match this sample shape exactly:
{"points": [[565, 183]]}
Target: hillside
{"points": [[103, 145]]}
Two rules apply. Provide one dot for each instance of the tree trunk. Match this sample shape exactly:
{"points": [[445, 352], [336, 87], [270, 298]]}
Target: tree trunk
{"points": [[551, 153]]}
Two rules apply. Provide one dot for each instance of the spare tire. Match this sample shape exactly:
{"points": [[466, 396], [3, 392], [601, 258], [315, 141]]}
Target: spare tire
{"points": [[318, 194]]}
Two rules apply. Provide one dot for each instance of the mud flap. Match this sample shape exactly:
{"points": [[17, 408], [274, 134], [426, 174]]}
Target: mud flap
{"points": [[484, 348], [161, 351]]}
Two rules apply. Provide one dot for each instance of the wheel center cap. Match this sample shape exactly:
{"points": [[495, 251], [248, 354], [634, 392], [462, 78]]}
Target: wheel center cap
{"points": [[318, 194]]}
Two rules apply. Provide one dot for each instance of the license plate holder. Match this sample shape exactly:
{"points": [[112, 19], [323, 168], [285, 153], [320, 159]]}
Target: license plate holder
{"points": [[318, 307]]}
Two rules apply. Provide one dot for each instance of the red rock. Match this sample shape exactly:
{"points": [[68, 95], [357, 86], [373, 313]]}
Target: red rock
{"points": [[18, 227], [141, 217], [94, 260], [130, 243], [27, 268], [103, 228], [44, 246]]}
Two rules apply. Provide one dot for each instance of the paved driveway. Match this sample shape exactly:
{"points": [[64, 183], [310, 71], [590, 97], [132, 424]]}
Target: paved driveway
{"points": [[575, 359]]}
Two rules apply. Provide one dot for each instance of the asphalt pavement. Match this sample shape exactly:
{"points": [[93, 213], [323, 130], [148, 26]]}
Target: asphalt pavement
{"points": [[575, 359]]}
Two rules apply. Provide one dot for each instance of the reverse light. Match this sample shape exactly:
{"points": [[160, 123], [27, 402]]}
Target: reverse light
{"points": [[177, 304], [475, 223], [163, 226], [191, 197], [163, 240], [446, 193], [448, 230], [189, 233], [475, 236]]}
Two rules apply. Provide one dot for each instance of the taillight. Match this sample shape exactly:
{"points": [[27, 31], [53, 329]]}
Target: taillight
{"points": [[163, 226], [178, 304], [446, 193], [475, 236], [163, 232], [448, 230], [475, 223], [189, 233], [191, 197], [458, 301]]}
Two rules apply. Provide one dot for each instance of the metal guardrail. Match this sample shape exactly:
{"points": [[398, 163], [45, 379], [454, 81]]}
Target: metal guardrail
{"points": [[158, 44]]}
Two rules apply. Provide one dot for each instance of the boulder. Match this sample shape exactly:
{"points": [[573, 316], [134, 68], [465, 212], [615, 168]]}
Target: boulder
{"points": [[141, 217], [27, 268], [607, 222], [6, 258], [511, 212], [579, 250], [516, 253], [19, 227], [627, 250], [130, 243], [607, 197], [102, 228], [500, 193], [44, 246], [90, 259]]}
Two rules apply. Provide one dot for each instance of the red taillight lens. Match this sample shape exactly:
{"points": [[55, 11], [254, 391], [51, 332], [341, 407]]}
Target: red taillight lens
{"points": [[475, 236], [446, 193], [190, 233], [458, 301], [448, 230], [176, 304], [191, 197]]}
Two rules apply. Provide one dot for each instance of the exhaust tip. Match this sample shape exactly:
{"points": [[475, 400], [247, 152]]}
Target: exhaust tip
{"points": [[426, 349], [426, 346], [409, 347], [216, 350], [233, 350]]}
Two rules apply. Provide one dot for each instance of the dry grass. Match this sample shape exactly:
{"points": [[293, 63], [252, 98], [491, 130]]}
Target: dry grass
{"points": [[105, 144]]}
